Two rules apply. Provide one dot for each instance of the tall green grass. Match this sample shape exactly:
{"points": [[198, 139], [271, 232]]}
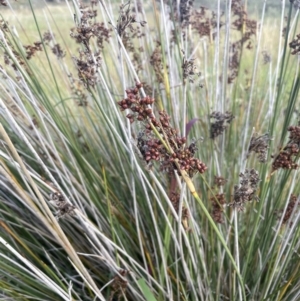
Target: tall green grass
{"points": [[86, 214]]}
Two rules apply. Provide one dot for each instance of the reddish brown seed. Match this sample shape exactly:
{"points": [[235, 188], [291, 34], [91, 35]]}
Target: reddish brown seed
{"points": [[148, 111], [135, 109], [139, 85]]}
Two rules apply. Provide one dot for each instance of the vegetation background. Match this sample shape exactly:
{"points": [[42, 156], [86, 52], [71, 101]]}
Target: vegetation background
{"points": [[149, 151]]}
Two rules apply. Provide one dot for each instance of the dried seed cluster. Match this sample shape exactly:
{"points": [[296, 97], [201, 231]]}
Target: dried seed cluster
{"points": [[119, 285], [295, 45], [289, 210], [259, 145], [205, 22], [32, 49], [78, 92], [126, 19], [55, 48], [185, 8], [247, 27], [245, 192], [129, 37], [151, 147], [87, 65], [139, 106], [58, 51], [266, 57], [8, 60], [218, 201], [129, 42], [87, 28], [156, 61], [189, 69], [296, 3], [220, 124], [35, 123], [219, 181], [4, 25], [175, 199], [286, 158], [63, 206]]}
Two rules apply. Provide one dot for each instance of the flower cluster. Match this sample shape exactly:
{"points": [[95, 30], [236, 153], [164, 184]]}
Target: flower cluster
{"points": [[170, 149], [247, 27], [48, 38], [125, 21], [87, 65], [139, 106], [259, 145], [32, 49], [286, 158], [87, 28], [205, 22], [185, 9], [63, 206], [219, 125], [7, 57], [294, 134], [58, 51], [295, 45], [245, 192]]}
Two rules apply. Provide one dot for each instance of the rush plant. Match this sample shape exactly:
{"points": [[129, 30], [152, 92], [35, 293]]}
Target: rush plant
{"points": [[149, 151]]}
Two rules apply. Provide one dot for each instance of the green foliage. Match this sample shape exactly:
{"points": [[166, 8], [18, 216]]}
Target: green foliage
{"points": [[149, 151]]}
